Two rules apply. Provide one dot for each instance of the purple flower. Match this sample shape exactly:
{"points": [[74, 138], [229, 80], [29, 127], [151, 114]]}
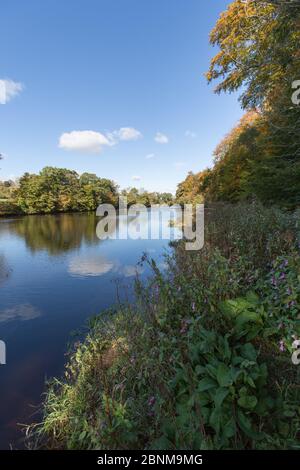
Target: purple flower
{"points": [[282, 276], [151, 401], [281, 346], [289, 291]]}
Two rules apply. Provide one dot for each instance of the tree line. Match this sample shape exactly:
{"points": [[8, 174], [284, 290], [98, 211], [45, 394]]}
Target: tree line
{"points": [[258, 45], [62, 190]]}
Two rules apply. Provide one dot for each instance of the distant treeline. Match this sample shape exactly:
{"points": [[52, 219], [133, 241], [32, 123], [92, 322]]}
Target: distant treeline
{"points": [[259, 52], [61, 190]]}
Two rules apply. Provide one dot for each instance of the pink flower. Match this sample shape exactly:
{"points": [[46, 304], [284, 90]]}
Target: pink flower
{"points": [[151, 401], [281, 346]]}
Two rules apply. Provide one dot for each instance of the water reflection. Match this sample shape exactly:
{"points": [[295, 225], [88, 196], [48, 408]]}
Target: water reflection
{"points": [[4, 269], [90, 265], [21, 312], [57, 273], [56, 233], [131, 270], [67, 232], [86, 266]]}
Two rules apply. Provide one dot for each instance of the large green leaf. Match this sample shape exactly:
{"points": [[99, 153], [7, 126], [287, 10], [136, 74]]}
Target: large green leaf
{"points": [[224, 376], [247, 401], [206, 384], [220, 396]]}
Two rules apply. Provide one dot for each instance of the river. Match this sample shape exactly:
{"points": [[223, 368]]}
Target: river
{"points": [[54, 274]]}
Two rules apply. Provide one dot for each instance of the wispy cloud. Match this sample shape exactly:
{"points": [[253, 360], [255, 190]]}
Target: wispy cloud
{"points": [[150, 156], [190, 134], [136, 178], [127, 133], [161, 138], [9, 89]]}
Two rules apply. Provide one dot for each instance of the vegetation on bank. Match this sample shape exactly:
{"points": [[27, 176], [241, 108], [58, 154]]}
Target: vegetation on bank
{"points": [[202, 359]]}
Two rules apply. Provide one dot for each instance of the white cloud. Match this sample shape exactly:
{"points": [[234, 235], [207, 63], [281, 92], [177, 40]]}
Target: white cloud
{"points": [[9, 89], [93, 142], [161, 138], [128, 133], [136, 178], [151, 155], [84, 141], [190, 134]]}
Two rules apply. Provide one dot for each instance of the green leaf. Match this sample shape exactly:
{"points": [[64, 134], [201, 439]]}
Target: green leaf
{"points": [[224, 377], [220, 396], [206, 384], [215, 419], [246, 427], [249, 352], [230, 428], [252, 297], [247, 401]]}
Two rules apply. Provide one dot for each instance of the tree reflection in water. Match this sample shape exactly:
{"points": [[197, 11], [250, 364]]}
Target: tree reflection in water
{"points": [[4, 269], [56, 233]]}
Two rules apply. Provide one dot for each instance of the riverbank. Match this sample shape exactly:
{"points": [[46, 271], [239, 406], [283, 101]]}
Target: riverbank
{"points": [[203, 359], [9, 208]]}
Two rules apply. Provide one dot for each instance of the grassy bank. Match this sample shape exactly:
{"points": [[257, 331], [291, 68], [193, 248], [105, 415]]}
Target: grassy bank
{"points": [[202, 360]]}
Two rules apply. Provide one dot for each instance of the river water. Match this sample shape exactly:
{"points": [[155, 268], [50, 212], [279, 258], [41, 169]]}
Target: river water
{"points": [[54, 274]]}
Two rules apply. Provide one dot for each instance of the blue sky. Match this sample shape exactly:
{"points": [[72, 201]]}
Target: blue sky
{"points": [[127, 71]]}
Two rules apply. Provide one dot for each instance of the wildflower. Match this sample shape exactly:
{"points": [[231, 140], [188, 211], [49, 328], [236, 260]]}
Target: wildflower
{"points": [[289, 291], [193, 306], [151, 401], [281, 346], [184, 327], [282, 276], [273, 281]]}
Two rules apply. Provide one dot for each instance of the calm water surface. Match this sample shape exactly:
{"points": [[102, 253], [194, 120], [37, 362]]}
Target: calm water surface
{"points": [[54, 274]]}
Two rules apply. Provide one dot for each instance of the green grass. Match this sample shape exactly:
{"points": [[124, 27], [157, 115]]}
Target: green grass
{"points": [[202, 360]]}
